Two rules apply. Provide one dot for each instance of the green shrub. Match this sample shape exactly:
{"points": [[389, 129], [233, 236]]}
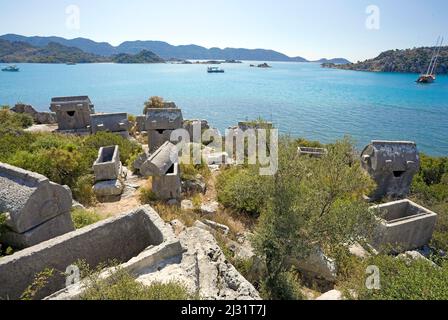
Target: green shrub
{"points": [[120, 285], [243, 189], [13, 120], [401, 279], [82, 218], [147, 196], [83, 191]]}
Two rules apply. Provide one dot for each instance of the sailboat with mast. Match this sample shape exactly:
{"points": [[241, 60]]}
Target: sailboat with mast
{"points": [[429, 76]]}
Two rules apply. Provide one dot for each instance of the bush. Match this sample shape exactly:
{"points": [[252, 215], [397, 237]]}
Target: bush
{"points": [[13, 120], [120, 285], [153, 102], [83, 190], [147, 196], [401, 279], [82, 218], [243, 189]]}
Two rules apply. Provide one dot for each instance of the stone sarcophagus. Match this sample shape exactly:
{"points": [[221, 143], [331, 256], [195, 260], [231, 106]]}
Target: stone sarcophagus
{"points": [[402, 226], [107, 166], [392, 165], [312, 152], [111, 122], [163, 166], [72, 113], [160, 123], [36, 209]]}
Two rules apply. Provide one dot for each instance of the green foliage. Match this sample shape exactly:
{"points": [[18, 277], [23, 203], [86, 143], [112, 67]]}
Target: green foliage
{"points": [[12, 120], [144, 56], [404, 279], [430, 189], [147, 196], [314, 203], [64, 159], [243, 189], [120, 285], [409, 60], [153, 102], [83, 191], [82, 218], [40, 281]]}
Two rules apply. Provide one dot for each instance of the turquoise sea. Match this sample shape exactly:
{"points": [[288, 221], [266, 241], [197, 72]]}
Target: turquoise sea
{"points": [[302, 99]]}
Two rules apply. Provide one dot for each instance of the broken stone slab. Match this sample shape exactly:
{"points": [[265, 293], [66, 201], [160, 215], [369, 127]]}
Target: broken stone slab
{"points": [[210, 208], [414, 255], [217, 226], [312, 152], [140, 123], [317, 265], [108, 188], [402, 226], [77, 205], [107, 166], [29, 199], [392, 165], [194, 186], [140, 160], [160, 162], [53, 228]]}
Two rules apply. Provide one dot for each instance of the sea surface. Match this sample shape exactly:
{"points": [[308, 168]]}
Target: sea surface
{"points": [[302, 99]]}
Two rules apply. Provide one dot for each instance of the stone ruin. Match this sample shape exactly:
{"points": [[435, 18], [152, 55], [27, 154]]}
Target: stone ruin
{"points": [[111, 122], [141, 234], [160, 123], [403, 225], [36, 209], [312, 152], [77, 115], [108, 172], [163, 166], [392, 165], [38, 117], [73, 113]]}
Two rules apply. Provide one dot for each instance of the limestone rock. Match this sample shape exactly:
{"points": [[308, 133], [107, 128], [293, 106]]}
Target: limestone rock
{"points": [[331, 295], [204, 269], [217, 226], [186, 205], [210, 208]]}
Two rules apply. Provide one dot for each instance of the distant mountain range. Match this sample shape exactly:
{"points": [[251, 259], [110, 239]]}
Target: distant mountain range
{"points": [[414, 60], [162, 49], [15, 52]]}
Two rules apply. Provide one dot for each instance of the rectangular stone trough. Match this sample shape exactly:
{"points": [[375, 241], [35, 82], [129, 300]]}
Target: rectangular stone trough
{"points": [[107, 166], [403, 225], [313, 152], [140, 237]]}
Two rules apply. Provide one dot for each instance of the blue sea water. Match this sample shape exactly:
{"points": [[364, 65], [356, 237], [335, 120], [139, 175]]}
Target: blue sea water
{"points": [[302, 99]]}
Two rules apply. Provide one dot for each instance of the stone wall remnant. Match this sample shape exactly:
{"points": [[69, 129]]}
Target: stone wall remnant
{"points": [[38, 117]]}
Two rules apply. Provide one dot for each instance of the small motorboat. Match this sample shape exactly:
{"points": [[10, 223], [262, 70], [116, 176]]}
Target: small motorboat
{"points": [[11, 69], [426, 78], [214, 70]]}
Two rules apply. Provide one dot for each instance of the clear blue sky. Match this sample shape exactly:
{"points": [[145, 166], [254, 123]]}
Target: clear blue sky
{"points": [[311, 28]]}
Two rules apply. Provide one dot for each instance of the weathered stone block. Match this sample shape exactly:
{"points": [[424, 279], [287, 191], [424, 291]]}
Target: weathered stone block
{"points": [[403, 226], [160, 161], [108, 188], [50, 229], [107, 166], [29, 199], [163, 119], [312, 152], [110, 122], [156, 138], [72, 113], [392, 164], [168, 186]]}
